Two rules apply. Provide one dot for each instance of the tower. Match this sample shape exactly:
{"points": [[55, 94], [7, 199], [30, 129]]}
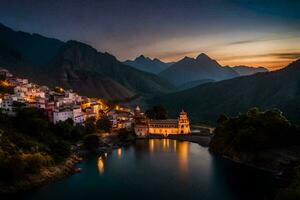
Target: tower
{"points": [[183, 123], [137, 111]]}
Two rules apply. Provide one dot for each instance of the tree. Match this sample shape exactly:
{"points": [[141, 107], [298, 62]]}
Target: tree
{"points": [[222, 118], [157, 112], [91, 142], [126, 136], [90, 126], [104, 124], [255, 131]]}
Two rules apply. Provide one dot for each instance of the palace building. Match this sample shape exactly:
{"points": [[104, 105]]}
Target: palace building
{"points": [[144, 126]]}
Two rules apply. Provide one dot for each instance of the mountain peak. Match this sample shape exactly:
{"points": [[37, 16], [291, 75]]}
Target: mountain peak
{"points": [[186, 58], [202, 56], [141, 56]]}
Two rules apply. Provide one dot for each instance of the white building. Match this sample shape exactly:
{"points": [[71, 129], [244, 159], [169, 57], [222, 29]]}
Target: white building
{"points": [[75, 114], [8, 104], [78, 115], [62, 115]]}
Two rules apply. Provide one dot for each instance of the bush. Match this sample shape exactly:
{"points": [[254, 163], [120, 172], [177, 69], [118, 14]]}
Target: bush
{"points": [[255, 131], [90, 126], [157, 112], [91, 142], [34, 161], [125, 135], [104, 124]]}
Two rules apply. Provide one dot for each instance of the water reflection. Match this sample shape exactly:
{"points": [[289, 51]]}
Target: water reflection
{"points": [[151, 145], [100, 164], [181, 148], [119, 152], [173, 169]]}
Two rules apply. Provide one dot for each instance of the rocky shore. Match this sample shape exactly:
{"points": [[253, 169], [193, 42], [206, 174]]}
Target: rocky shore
{"points": [[46, 175]]}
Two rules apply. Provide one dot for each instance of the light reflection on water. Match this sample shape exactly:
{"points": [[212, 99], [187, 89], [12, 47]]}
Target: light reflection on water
{"points": [[100, 165], [158, 169]]}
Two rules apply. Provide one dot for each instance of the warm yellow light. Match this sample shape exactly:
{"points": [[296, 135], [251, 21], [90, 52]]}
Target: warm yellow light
{"points": [[5, 83], [183, 148], [119, 152], [100, 165], [151, 142]]}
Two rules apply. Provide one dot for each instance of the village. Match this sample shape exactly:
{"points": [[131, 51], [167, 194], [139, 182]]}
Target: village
{"points": [[60, 105]]}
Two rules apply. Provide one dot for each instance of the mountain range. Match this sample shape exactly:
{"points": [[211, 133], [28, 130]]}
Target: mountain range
{"points": [[74, 65], [190, 69], [147, 64], [280, 89], [243, 70]]}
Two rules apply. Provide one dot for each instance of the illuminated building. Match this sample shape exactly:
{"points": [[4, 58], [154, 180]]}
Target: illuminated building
{"points": [[144, 126]]}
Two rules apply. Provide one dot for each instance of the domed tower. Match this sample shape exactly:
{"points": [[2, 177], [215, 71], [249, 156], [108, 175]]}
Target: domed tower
{"points": [[183, 123], [137, 111]]}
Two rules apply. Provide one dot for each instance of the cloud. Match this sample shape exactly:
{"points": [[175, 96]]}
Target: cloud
{"points": [[242, 42], [289, 55], [293, 55], [249, 41]]}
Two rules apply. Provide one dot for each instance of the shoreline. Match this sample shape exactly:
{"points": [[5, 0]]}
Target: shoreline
{"points": [[68, 167], [203, 140], [45, 176]]}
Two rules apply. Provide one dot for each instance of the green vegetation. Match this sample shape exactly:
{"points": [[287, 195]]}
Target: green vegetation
{"points": [[29, 142], [255, 131], [91, 142], [104, 124], [292, 192], [126, 136], [157, 112]]}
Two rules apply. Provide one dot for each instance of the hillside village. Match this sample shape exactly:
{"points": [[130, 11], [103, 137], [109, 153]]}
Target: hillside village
{"points": [[58, 104]]}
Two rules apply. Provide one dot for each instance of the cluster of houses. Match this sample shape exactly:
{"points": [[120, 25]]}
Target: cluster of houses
{"points": [[59, 104]]}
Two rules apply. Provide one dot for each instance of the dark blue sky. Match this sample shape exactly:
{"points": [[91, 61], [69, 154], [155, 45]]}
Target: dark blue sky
{"points": [[264, 32]]}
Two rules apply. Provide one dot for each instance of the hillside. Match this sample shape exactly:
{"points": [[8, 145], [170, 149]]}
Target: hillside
{"points": [[192, 84], [246, 70], [34, 48], [74, 65], [190, 69], [264, 90], [147, 64]]}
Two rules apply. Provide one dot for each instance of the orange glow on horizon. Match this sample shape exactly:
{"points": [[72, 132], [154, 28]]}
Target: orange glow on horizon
{"points": [[268, 62]]}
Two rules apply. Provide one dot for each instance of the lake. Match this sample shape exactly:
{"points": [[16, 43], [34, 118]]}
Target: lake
{"points": [[158, 169]]}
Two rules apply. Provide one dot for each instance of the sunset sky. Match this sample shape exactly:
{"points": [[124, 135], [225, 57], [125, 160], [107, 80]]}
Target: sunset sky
{"points": [[234, 32]]}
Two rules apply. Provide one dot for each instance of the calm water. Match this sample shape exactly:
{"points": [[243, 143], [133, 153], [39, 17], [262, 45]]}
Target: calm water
{"points": [[158, 169]]}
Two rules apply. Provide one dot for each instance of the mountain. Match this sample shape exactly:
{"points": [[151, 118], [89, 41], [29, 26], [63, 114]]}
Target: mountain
{"points": [[190, 69], [192, 84], [35, 48], [74, 65], [147, 64], [246, 70], [206, 102]]}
